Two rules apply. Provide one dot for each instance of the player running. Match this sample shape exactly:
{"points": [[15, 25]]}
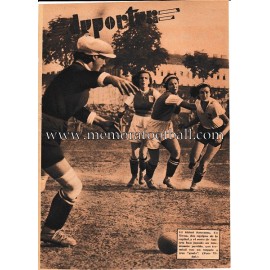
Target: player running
{"points": [[160, 131], [214, 125], [65, 97], [143, 102]]}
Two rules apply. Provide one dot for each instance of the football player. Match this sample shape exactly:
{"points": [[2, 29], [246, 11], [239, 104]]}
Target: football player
{"points": [[142, 102], [160, 131], [66, 97], [214, 125]]}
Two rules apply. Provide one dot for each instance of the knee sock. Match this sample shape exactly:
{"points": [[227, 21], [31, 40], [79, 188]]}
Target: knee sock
{"points": [[134, 166], [142, 163], [59, 211], [171, 166], [150, 169]]}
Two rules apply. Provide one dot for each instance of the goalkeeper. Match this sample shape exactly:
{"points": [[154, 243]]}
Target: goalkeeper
{"points": [[65, 97]]}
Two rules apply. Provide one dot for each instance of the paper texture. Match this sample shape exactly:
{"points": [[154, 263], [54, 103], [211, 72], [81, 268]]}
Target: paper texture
{"points": [[115, 226]]}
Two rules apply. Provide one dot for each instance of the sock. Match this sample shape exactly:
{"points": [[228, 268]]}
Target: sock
{"points": [[171, 166], [198, 176], [59, 211], [150, 169], [142, 163], [134, 166]]}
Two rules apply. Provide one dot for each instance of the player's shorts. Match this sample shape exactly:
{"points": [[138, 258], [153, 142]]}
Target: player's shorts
{"points": [[208, 136], [137, 128], [51, 153], [158, 131]]}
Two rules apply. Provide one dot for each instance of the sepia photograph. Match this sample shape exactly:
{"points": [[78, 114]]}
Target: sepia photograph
{"points": [[134, 135]]}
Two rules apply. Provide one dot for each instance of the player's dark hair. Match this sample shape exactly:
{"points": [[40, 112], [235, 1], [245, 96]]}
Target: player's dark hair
{"points": [[83, 57], [167, 78], [195, 90], [136, 78], [203, 85]]}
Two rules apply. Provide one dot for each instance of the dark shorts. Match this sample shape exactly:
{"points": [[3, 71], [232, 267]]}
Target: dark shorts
{"points": [[51, 151], [207, 136]]}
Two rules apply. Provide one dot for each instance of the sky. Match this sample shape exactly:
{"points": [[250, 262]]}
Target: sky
{"points": [[200, 25]]}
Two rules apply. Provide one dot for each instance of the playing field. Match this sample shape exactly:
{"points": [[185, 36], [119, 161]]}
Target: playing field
{"points": [[118, 228]]}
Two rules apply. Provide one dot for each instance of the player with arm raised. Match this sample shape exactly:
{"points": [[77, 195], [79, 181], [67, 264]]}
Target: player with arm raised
{"points": [[66, 97], [160, 131]]}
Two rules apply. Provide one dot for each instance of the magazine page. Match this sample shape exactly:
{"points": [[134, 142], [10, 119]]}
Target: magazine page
{"points": [[134, 135]]}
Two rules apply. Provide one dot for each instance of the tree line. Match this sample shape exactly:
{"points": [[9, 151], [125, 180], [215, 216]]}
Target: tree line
{"points": [[137, 47]]}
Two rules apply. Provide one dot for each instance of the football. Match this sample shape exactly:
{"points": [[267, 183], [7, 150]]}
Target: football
{"points": [[167, 243]]}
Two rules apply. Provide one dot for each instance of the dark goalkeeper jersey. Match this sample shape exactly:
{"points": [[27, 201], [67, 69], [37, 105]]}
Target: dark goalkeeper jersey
{"points": [[68, 93]]}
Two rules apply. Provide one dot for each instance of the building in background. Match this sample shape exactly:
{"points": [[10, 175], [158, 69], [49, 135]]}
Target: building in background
{"points": [[109, 95]]}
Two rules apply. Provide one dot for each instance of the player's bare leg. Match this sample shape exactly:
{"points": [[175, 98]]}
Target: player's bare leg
{"points": [[62, 204], [142, 162], [43, 180], [201, 169], [172, 145], [195, 154]]}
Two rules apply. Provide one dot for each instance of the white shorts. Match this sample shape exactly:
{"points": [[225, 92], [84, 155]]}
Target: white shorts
{"points": [[137, 128], [158, 131]]}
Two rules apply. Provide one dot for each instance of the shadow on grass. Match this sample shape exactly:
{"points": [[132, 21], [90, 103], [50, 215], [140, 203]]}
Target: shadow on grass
{"points": [[149, 251], [134, 189], [120, 187]]}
